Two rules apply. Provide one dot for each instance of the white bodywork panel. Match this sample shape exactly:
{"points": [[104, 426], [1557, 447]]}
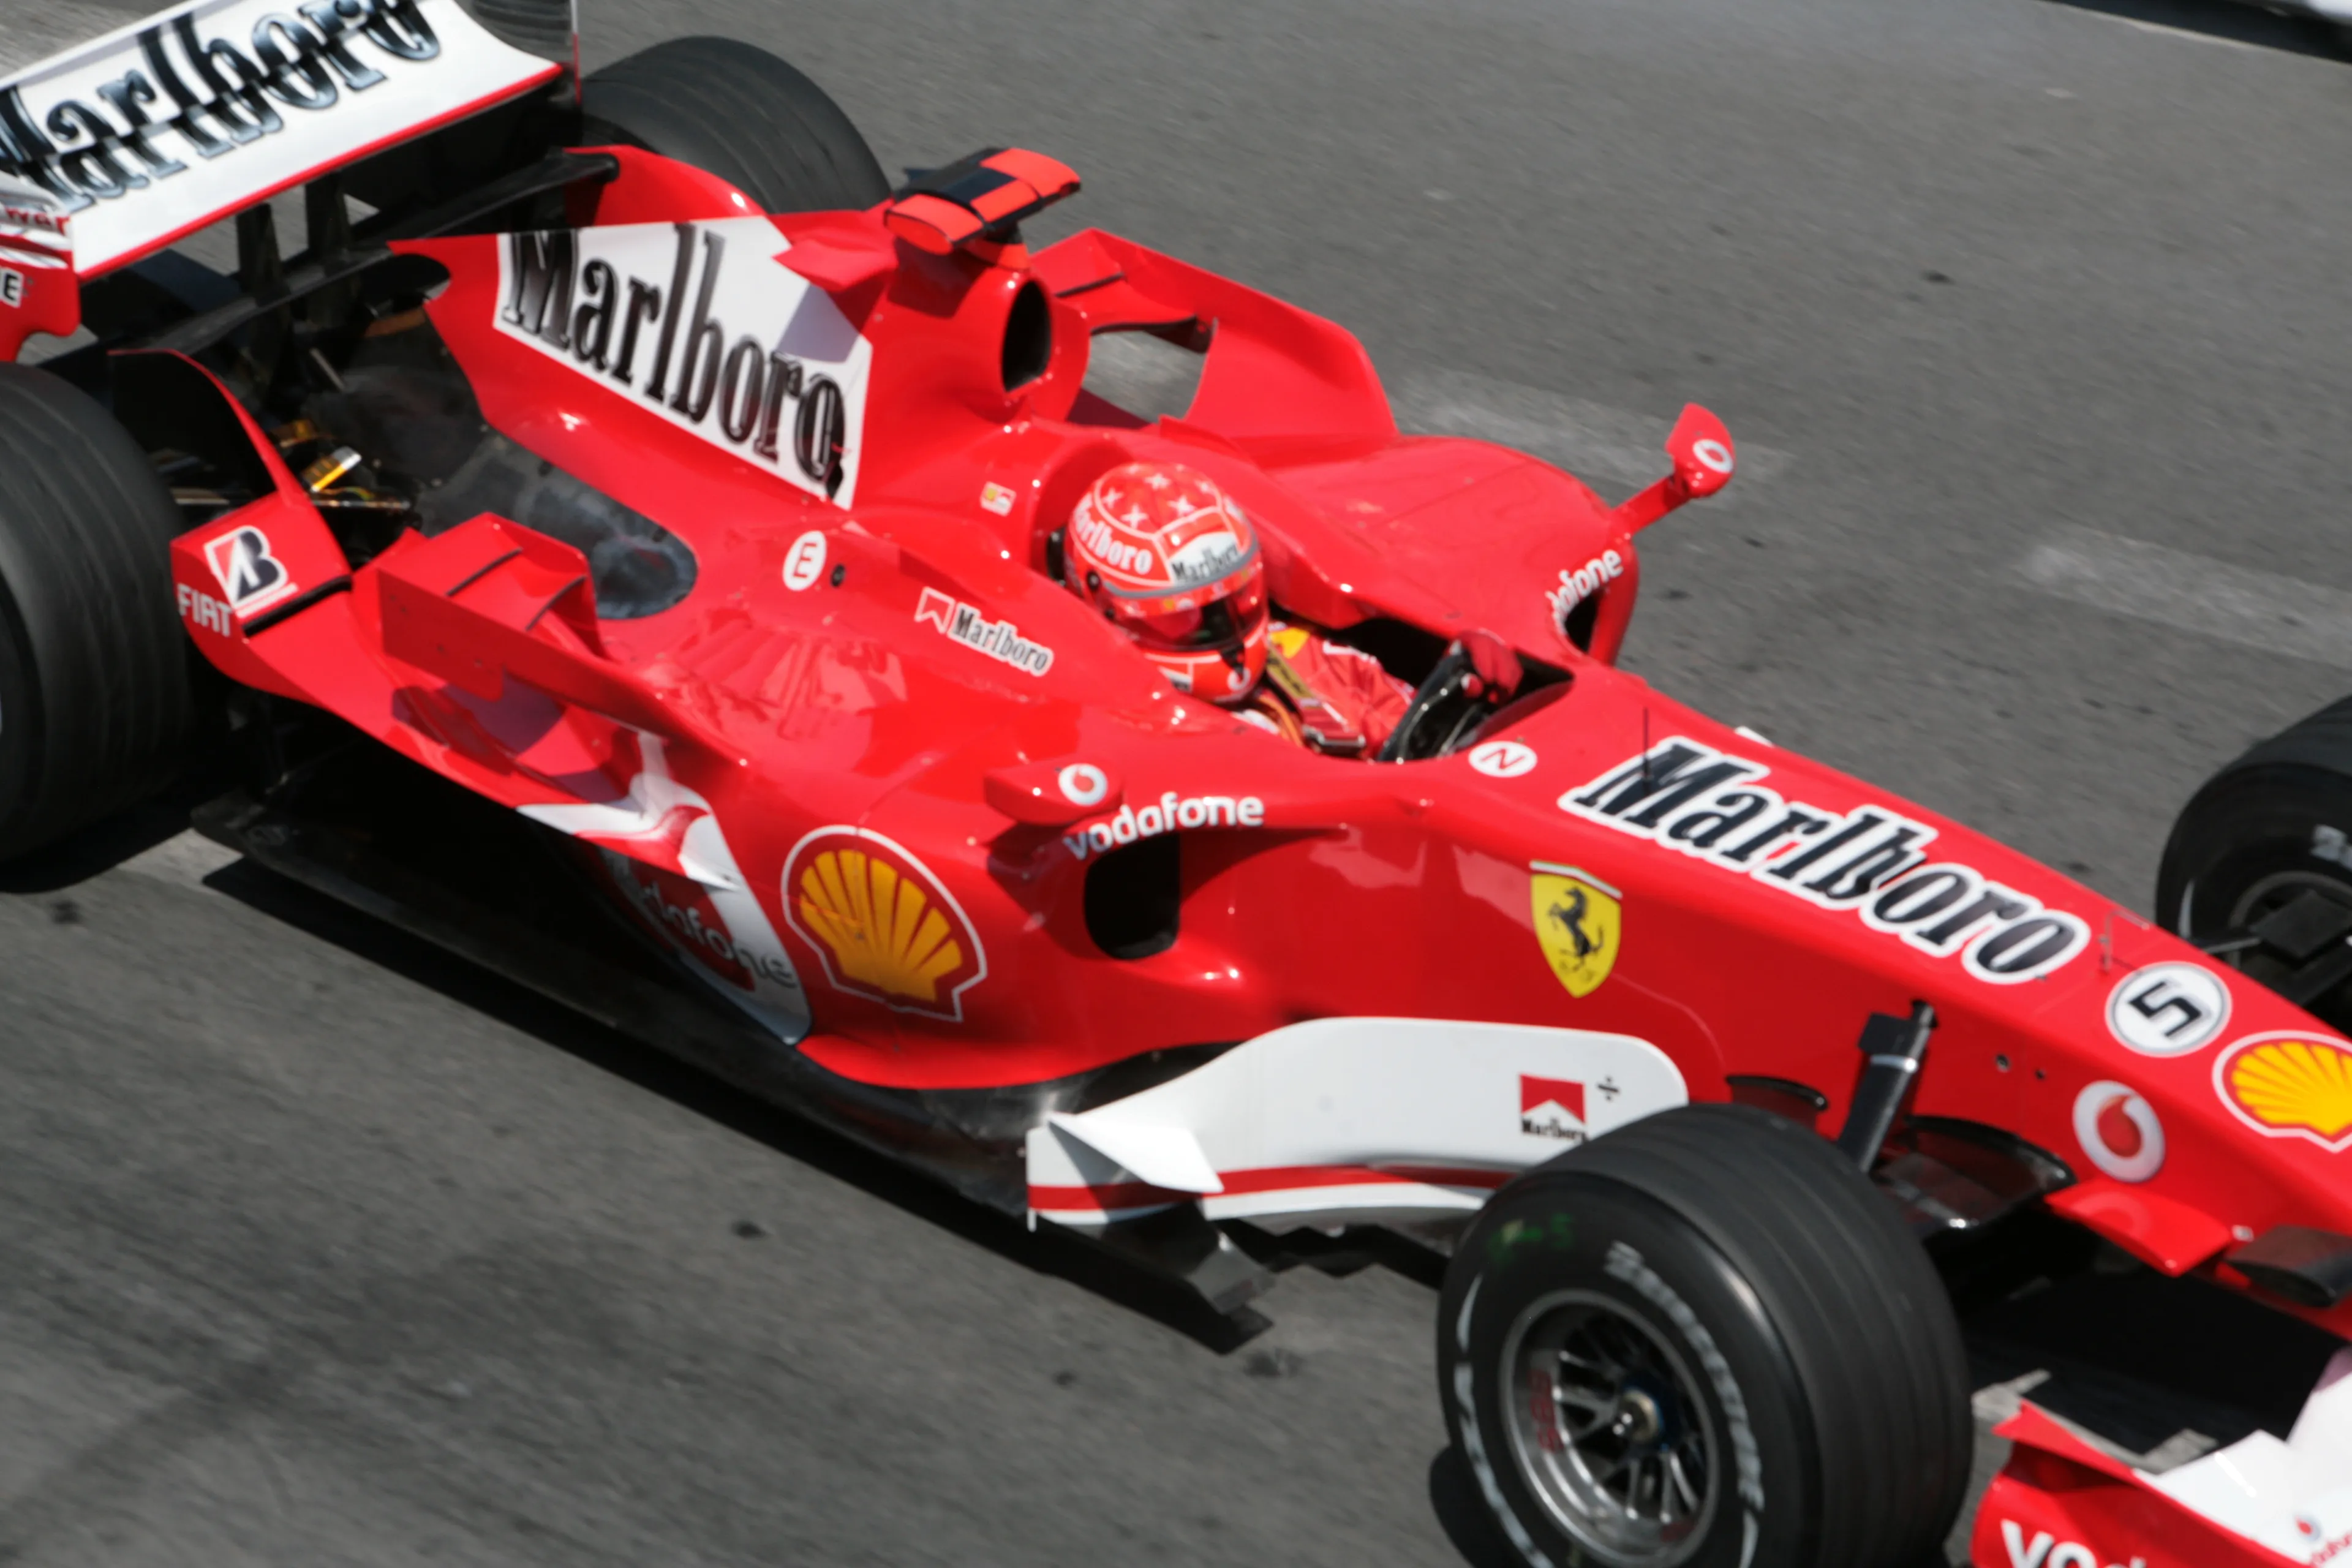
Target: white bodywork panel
{"points": [[702, 324], [703, 910], [1344, 1118], [159, 127], [2295, 1496]]}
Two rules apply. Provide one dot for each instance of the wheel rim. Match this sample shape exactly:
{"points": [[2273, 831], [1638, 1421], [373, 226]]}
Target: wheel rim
{"points": [[1609, 1430], [2266, 896]]}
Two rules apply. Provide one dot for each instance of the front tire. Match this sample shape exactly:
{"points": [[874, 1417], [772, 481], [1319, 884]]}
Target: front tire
{"points": [[1702, 1342], [2271, 827]]}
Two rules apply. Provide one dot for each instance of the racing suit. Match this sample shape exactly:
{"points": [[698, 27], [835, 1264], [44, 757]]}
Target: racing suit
{"points": [[1324, 695]]}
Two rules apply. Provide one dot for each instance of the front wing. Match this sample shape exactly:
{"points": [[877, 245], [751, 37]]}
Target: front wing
{"points": [[2262, 1502]]}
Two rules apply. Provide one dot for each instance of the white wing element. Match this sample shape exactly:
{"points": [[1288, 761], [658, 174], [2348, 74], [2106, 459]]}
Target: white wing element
{"points": [[2295, 1496], [1166, 1157], [159, 127], [1342, 1120]]}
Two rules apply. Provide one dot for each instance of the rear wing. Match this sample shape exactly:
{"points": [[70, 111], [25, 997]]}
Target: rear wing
{"points": [[119, 147]]}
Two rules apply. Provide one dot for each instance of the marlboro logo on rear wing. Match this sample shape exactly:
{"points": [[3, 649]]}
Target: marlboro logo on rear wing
{"points": [[126, 144]]}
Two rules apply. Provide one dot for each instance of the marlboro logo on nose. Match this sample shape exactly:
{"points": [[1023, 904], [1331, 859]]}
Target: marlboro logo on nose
{"points": [[1871, 861]]}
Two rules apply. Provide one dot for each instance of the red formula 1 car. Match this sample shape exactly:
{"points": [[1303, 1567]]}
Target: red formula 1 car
{"points": [[622, 467]]}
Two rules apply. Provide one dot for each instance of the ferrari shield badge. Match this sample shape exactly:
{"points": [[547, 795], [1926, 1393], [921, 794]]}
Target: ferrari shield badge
{"points": [[1578, 921]]}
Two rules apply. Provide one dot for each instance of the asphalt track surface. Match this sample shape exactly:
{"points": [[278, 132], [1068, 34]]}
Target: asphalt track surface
{"points": [[318, 1247]]}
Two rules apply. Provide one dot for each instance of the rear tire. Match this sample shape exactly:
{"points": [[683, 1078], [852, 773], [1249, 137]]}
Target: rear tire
{"points": [[739, 113], [1703, 1341], [2272, 826], [96, 707]]}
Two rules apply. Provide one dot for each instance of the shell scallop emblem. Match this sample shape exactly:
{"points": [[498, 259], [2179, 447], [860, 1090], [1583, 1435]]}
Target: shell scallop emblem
{"points": [[884, 926], [2290, 1086]]}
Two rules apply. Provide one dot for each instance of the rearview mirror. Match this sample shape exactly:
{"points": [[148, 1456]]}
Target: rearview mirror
{"points": [[1701, 448], [1702, 453]]}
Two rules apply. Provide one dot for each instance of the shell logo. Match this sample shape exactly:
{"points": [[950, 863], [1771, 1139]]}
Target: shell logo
{"points": [[884, 926], [2290, 1086]]}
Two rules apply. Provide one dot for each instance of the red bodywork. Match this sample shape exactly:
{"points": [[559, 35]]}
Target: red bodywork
{"points": [[884, 697]]}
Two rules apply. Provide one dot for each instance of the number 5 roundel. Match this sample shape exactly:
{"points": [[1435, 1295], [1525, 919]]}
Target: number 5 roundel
{"points": [[2169, 1009]]}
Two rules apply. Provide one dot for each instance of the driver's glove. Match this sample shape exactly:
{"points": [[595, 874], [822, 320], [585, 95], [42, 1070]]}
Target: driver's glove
{"points": [[1496, 666]]}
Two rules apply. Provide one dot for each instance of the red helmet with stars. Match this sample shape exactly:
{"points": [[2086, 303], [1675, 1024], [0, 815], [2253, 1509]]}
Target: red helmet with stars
{"points": [[1171, 561]]}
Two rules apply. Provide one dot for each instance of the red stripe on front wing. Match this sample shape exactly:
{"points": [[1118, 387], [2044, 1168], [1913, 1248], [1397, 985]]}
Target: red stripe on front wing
{"points": [[1271, 1179]]}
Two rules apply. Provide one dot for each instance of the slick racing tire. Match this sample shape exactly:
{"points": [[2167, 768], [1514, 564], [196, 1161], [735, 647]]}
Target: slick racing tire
{"points": [[738, 112], [1702, 1342], [2272, 827], [96, 707]]}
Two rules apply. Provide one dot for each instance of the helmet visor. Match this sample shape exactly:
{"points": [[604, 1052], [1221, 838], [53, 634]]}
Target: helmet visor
{"points": [[1221, 624]]}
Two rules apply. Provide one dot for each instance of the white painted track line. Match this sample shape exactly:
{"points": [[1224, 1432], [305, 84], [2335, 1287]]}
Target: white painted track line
{"points": [[1595, 443], [186, 857], [2195, 593], [2185, 35]]}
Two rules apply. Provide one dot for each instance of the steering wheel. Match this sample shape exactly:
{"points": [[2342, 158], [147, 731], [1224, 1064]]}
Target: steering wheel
{"points": [[1443, 715]]}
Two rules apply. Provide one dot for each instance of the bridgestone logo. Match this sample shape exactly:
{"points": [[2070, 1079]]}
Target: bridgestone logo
{"points": [[705, 327], [1624, 1263], [1713, 807]]}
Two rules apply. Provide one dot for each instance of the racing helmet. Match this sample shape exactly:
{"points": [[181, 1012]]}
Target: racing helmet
{"points": [[1170, 560]]}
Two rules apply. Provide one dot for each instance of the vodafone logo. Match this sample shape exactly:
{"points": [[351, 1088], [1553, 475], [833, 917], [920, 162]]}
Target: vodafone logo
{"points": [[2321, 1549], [1713, 454], [1083, 783], [1502, 759], [2118, 1129], [1581, 584], [2046, 1550], [1166, 814], [683, 912]]}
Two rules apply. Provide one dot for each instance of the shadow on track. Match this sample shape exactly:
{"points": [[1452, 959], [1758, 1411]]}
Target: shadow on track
{"points": [[99, 847], [1046, 1250], [1471, 1530], [2236, 23], [1469, 1525]]}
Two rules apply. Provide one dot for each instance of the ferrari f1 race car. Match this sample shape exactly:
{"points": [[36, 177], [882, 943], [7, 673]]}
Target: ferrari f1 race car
{"points": [[626, 542]]}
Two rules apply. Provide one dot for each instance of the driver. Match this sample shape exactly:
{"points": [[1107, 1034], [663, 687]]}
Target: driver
{"points": [[1170, 558]]}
